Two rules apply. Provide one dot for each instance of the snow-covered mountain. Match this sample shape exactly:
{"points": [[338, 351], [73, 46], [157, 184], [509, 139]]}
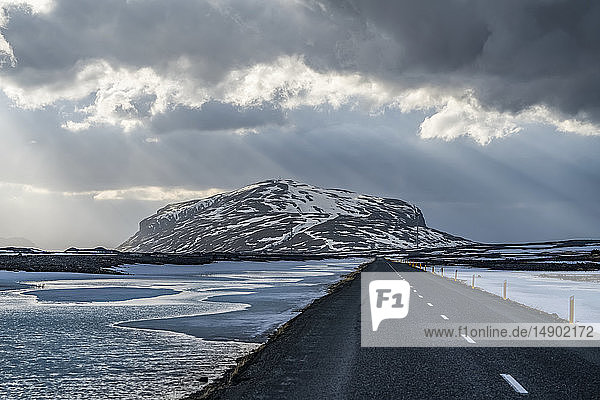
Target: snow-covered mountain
{"points": [[286, 216]]}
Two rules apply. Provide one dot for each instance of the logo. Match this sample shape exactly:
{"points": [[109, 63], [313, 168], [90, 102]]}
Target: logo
{"points": [[389, 300]]}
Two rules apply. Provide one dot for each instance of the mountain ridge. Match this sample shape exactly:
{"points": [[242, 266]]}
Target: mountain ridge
{"points": [[286, 216], [16, 242]]}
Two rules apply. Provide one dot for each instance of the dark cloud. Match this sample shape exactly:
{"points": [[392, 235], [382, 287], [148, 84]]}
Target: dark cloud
{"points": [[216, 116], [515, 54], [216, 36], [434, 36]]}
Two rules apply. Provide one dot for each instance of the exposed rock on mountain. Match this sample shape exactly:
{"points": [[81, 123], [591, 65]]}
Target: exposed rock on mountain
{"points": [[286, 216]]}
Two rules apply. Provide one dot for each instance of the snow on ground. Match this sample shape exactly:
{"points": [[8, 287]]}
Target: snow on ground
{"points": [[543, 290]]}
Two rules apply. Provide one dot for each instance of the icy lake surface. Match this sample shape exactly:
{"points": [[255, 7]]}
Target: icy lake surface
{"points": [[76, 336]]}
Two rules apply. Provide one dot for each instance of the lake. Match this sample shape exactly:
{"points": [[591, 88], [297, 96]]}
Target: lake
{"points": [[153, 333]]}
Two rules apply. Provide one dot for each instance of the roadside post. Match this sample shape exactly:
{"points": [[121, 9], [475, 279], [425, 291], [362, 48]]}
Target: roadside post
{"points": [[455, 275], [473, 282], [571, 309], [504, 296]]}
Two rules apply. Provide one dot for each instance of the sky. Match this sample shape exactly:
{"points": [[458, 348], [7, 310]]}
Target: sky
{"points": [[484, 114]]}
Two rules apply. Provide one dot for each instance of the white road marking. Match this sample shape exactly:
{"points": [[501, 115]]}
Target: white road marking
{"points": [[430, 305], [420, 296], [468, 338], [443, 316], [397, 273], [513, 382], [414, 291]]}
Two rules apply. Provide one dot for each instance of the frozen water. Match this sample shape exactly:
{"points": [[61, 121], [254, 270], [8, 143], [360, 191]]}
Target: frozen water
{"points": [[74, 343]]}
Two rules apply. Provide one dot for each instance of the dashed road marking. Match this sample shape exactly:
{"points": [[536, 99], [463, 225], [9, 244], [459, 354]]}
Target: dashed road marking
{"points": [[430, 305], [443, 316], [468, 338], [513, 382], [414, 291], [420, 296], [397, 273]]}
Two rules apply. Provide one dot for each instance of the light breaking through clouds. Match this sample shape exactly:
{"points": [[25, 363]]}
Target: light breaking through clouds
{"points": [[146, 102], [141, 193]]}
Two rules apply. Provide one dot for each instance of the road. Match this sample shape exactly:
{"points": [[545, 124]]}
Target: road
{"points": [[319, 353]]}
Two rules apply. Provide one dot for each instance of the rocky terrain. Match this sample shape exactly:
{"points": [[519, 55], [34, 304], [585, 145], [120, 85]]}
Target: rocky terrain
{"points": [[104, 261], [92, 261], [563, 255]]}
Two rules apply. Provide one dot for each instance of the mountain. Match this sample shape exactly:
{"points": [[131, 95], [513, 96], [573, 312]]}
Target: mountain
{"points": [[286, 216], [16, 242]]}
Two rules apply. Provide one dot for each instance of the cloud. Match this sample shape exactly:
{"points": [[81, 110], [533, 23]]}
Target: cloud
{"points": [[516, 61], [468, 118], [7, 56], [154, 193], [139, 193], [477, 70], [15, 188], [290, 83], [119, 96], [246, 98]]}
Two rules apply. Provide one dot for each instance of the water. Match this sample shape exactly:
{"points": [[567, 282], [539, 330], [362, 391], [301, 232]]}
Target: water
{"points": [[77, 336]]}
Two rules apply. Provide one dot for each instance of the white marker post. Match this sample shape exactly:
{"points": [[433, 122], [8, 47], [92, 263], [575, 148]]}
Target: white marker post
{"points": [[571, 309]]}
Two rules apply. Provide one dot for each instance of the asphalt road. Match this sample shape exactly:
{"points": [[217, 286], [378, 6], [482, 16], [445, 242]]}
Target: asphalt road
{"points": [[319, 354]]}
